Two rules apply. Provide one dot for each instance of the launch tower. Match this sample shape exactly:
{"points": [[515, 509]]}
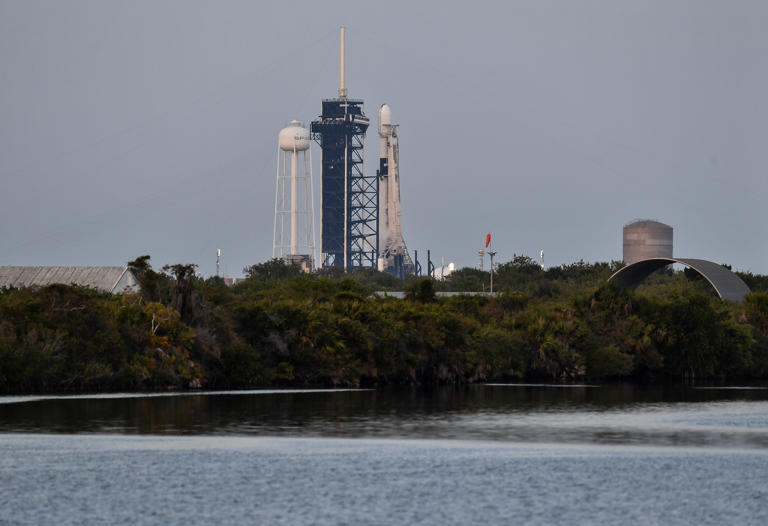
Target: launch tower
{"points": [[350, 199]]}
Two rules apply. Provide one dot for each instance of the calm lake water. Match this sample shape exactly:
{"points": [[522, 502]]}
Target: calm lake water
{"points": [[497, 454]]}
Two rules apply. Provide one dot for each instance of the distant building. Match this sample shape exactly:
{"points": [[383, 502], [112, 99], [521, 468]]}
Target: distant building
{"points": [[116, 280], [644, 239], [443, 271], [304, 261], [231, 282], [399, 294]]}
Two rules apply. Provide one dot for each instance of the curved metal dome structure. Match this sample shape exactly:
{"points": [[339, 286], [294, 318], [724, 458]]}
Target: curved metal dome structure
{"points": [[727, 285]]}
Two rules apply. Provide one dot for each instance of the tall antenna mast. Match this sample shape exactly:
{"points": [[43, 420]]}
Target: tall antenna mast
{"points": [[342, 83], [218, 261]]}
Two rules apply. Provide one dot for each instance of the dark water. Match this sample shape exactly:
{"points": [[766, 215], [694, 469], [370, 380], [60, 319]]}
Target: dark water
{"points": [[493, 454]]}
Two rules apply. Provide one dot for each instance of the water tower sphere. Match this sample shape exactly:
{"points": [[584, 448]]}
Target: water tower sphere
{"points": [[294, 137]]}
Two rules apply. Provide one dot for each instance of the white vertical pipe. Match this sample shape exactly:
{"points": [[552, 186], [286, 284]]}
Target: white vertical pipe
{"points": [[294, 202], [346, 172], [283, 207], [492, 254], [321, 248], [342, 80], [277, 193], [312, 205]]}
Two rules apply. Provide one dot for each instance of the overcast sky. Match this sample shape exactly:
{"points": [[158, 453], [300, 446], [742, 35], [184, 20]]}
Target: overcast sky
{"points": [[150, 127]]}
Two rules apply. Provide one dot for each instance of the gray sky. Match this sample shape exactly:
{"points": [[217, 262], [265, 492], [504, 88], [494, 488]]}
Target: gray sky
{"points": [[151, 126]]}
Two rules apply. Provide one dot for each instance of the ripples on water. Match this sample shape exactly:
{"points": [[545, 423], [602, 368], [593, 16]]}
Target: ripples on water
{"points": [[515, 413], [496, 453]]}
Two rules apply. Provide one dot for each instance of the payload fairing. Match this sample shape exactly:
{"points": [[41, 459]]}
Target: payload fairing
{"points": [[393, 254]]}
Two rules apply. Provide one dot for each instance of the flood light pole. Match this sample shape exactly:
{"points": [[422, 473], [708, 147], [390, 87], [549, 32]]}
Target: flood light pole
{"points": [[491, 253]]}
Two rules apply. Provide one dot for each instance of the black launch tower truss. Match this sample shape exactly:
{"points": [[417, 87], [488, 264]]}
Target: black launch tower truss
{"points": [[340, 131]]}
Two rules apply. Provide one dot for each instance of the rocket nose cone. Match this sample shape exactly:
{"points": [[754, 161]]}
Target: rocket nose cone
{"points": [[385, 117], [385, 114]]}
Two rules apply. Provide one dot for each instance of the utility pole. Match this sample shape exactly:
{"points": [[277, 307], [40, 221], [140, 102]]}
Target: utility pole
{"points": [[491, 253]]}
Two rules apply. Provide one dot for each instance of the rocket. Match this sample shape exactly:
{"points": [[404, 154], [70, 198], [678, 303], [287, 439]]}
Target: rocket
{"points": [[393, 254]]}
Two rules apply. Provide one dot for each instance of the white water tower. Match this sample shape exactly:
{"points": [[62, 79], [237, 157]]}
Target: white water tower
{"points": [[294, 229]]}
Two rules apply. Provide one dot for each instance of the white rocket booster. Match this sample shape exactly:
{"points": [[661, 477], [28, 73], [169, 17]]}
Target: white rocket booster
{"points": [[391, 244]]}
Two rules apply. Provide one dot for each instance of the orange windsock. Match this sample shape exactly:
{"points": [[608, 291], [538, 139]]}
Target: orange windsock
{"points": [[487, 240]]}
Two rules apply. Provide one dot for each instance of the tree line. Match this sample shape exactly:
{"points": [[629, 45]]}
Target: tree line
{"points": [[281, 327]]}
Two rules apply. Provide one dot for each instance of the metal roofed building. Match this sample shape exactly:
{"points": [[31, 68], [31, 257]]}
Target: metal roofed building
{"points": [[726, 284], [116, 280]]}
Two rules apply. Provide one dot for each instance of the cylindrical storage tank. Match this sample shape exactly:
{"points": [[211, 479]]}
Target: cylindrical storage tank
{"points": [[645, 239], [294, 137]]}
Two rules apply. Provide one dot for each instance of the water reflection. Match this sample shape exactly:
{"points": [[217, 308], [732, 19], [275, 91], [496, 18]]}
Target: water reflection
{"points": [[613, 414]]}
